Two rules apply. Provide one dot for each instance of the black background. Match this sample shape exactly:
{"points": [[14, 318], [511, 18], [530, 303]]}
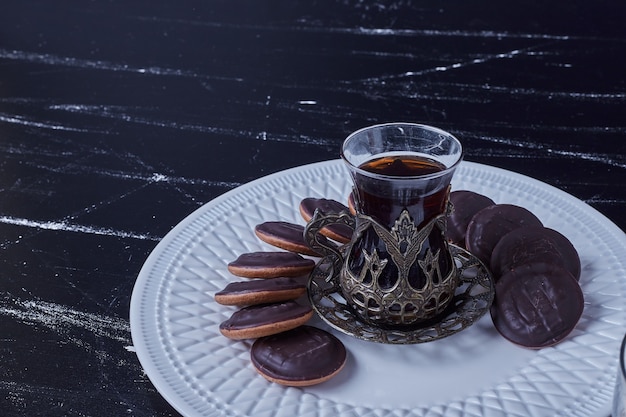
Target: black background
{"points": [[120, 118]]}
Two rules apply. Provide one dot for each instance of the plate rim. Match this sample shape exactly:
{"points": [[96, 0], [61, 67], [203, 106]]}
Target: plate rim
{"points": [[144, 344]]}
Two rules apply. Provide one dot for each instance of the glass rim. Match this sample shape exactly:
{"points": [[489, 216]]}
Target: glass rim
{"points": [[434, 129]]}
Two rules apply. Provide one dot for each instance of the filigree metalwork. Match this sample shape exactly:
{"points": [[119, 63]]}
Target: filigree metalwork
{"points": [[404, 303], [471, 300]]}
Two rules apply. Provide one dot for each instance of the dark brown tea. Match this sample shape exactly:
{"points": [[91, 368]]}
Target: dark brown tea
{"points": [[391, 185], [403, 166], [385, 198]]}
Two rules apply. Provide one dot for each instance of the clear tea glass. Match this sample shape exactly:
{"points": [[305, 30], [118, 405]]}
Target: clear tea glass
{"points": [[397, 269]]}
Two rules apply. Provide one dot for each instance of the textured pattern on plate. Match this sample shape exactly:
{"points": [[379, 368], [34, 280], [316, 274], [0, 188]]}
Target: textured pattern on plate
{"points": [[174, 320]]}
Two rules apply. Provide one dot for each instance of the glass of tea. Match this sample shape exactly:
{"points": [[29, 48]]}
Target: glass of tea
{"points": [[397, 270]]}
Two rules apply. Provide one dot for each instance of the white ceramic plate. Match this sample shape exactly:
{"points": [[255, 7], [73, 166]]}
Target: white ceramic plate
{"points": [[174, 319]]}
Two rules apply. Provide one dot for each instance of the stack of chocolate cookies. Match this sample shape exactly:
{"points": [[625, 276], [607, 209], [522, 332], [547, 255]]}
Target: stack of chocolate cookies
{"points": [[272, 308], [538, 299]]}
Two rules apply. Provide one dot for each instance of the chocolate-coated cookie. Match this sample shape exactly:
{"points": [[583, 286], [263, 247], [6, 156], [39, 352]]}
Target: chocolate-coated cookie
{"points": [[339, 232], [300, 357], [490, 224], [261, 291], [537, 305], [533, 244], [265, 319], [270, 265], [465, 204], [284, 235]]}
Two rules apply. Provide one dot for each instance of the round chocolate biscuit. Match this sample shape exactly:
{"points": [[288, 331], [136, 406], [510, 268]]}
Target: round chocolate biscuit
{"points": [[490, 224], [270, 265], [465, 205], [300, 357], [338, 232], [265, 319], [261, 291], [534, 244], [537, 305], [284, 235]]}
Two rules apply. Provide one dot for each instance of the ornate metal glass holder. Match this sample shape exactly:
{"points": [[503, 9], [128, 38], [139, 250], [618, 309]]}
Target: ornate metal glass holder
{"points": [[346, 303], [403, 302], [471, 301]]}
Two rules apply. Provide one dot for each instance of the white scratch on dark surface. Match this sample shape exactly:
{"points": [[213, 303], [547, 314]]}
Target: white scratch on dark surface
{"points": [[576, 95], [71, 326], [55, 317], [148, 178], [123, 113], [49, 59], [70, 227], [17, 393], [168, 179], [449, 67], [439, 33], [600, 200], [7, 118], [614, 160], [609, 159], [360, 30]]}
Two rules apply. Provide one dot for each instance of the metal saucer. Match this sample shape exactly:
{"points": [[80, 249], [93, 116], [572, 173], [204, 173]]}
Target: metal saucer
{"points": [[472, 299]]}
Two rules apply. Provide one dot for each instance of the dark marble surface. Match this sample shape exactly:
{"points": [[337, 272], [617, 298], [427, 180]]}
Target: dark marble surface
{"points": [[120, 118]]}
